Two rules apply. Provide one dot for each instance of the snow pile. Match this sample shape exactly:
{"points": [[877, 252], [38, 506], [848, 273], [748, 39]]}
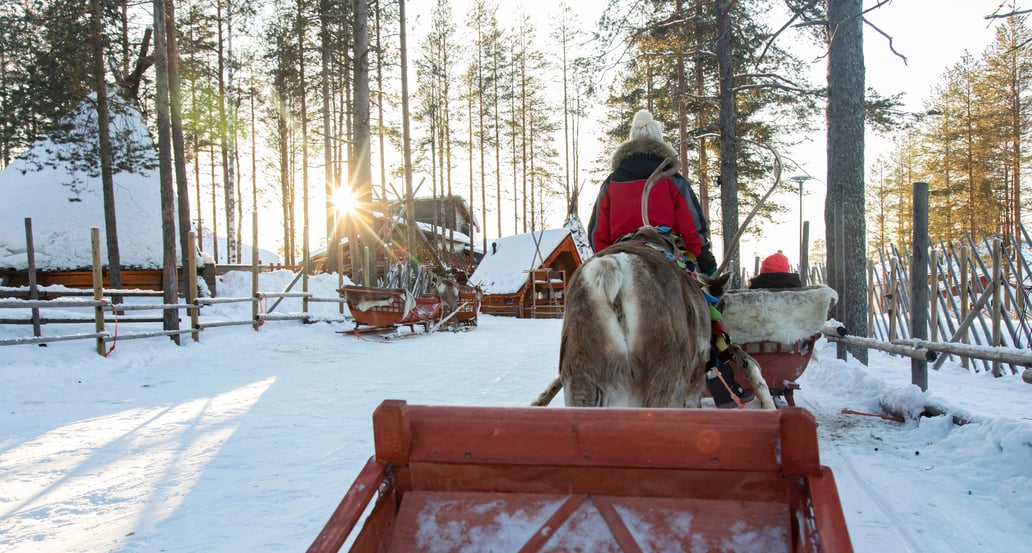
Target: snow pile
{"points": [[248, 440], [57, 184]]}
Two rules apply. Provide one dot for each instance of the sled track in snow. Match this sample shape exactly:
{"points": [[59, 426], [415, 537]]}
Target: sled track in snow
{"points": [[848, 476]]}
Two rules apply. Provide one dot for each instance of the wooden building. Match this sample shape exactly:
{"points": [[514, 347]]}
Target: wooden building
{"points": [[525, 275]]}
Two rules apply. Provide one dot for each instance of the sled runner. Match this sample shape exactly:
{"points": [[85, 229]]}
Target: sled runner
{"points": [[563, 479], [380, 310], [778, 328]]}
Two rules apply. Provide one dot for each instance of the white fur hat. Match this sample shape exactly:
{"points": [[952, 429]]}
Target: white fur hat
{"points": [[644, 126]]}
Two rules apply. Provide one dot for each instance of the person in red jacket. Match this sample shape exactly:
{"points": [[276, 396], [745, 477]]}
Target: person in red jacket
{"points": [[673, 208], [672, 202]]}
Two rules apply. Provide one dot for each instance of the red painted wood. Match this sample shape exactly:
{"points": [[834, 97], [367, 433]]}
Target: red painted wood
{"points": [[392, 436], [347, 513], [616, 525], [663, 438], [704, 479], [828, 516], [537, 542]]}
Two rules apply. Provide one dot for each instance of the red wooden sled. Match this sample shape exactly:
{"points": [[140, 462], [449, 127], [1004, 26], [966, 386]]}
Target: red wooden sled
{"points": [[759, 321], [385, 309], [780, 364], [559, 479]]}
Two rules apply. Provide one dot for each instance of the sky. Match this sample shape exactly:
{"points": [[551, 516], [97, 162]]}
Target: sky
{"points": [[247, 440]]}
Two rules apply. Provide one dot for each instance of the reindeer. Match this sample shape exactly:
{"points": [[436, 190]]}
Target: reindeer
{"points": [[452, 294], [636, 332]]}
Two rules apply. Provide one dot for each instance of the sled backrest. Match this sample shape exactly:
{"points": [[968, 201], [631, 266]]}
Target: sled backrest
{"points": [[429, 440]]}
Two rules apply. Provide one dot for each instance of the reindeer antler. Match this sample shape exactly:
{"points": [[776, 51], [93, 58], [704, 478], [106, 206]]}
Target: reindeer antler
{"points": [[667, 168], [777, 180]]}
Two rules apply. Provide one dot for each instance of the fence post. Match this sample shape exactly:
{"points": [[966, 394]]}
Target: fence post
{"points": [[367, 269], [191, 284], [870, 298], [893, 296], [840, 273], [933, 316], [254, 275], [254, 270], [804, 259], [30, 251], [919, 282], [98, 287], [340, 272], [997, 296], [965, 302]]}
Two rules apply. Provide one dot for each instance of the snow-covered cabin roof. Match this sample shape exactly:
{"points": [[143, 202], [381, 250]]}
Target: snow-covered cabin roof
{"points": [[64, 199], [508, 260]]}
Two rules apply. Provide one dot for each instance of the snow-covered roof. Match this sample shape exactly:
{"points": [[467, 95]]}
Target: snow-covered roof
{"points": [[64, 200], [508, 260]]}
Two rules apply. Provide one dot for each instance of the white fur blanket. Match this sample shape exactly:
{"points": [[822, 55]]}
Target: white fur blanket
{"points": [[783, 315]]}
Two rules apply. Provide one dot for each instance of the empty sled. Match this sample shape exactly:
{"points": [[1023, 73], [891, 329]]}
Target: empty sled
{"points": [[563, 479]]}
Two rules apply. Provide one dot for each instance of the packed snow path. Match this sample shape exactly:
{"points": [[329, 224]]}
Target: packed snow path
{"points": [[247, 440]]}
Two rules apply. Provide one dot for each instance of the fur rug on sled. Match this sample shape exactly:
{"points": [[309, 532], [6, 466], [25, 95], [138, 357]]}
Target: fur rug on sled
{"points": [[784, 315]]}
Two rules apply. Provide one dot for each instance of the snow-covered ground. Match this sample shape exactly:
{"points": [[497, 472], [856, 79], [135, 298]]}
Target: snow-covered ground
{"points": [[247, 440]]}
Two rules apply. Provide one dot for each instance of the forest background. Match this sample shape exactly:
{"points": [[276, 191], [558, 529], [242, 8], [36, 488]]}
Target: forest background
{"points": [[515, 107]]}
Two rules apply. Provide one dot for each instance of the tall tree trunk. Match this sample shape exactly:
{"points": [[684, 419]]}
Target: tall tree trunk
{"points": [[104, 136], [846, 166], [214, 204], [566, 122], [728, 136], [497, 144], [682, 92], [169, 282], [379, 105], [306, 242], [700, 118], [223, 148], [362, 161], [406, 138], [480, 127], [523, 127], [231, 173], [178, 145], [284, 162], [332, 238]]}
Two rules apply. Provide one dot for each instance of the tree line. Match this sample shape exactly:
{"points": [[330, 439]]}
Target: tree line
{"points": [[968, 143], [291, 92]]}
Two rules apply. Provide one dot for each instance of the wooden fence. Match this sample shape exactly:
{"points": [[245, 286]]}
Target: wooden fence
{"points": [[108, 308], [933, 300]]}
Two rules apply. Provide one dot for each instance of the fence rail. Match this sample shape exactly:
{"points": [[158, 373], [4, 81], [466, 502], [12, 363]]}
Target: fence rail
{"points": [[106, 310]]}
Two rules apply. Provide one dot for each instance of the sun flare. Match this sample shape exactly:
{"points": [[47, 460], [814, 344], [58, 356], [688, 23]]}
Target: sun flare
{"points": [[344, 201]]}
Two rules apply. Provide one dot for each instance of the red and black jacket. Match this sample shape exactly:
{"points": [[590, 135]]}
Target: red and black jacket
{"points": [[671, 202]]}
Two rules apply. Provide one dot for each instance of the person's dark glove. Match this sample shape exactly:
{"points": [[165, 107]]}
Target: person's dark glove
{"points": [[707, 263]]}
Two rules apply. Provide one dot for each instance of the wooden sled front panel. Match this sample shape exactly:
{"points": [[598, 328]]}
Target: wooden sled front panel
{"points": [[570, 479]]}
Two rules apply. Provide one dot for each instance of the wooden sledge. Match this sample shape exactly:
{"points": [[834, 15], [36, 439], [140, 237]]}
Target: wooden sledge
{"points": [[378, 310], [778, 328], [563, 479]]}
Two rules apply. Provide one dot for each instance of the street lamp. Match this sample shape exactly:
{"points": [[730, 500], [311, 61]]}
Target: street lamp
{"points": [[801, 179]]}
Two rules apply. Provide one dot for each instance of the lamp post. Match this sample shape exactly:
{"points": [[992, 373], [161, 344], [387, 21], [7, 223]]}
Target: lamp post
{"points": [[800, 179]]}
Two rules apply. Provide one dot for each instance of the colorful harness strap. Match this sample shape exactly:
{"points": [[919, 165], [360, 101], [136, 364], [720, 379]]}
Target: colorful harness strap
{"points": [[685, 261]]}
